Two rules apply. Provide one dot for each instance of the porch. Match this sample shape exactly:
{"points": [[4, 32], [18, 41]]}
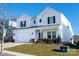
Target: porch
{"points": [[47, 34]]}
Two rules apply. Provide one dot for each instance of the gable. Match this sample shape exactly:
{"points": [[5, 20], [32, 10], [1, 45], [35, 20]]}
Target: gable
{"points": [[24, 17], [48, 10]]}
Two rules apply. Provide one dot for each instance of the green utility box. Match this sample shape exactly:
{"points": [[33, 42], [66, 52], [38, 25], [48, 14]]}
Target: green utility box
{"points": [[64, 48]]}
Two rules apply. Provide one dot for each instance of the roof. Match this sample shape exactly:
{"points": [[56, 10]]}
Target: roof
{"points": [[48, 8], [32, 27], [25, 15], [76, 38], [45, 10]]}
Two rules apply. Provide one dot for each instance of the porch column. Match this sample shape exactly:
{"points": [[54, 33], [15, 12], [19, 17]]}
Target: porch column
{"points": [[60, 28]]}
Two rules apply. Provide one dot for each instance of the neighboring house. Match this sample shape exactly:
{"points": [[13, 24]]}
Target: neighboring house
{"points": [[10, 25], [76, 38], [49, 24]]}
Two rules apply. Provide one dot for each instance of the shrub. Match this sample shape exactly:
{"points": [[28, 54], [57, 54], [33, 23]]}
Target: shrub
{"points": [[32, 40], [10, 39], [73, 46], [47, 41], [58, 40], [77, 45], [41, 41]]}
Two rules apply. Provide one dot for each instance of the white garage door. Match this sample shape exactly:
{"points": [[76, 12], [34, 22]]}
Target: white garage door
{"points": [[24, 35]]}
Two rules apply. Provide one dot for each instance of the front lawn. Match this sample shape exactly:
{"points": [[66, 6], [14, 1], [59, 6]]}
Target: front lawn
{"points": [[42, 50]]}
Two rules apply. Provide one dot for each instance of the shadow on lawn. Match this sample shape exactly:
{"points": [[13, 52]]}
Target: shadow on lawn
{"points": [[56, 50]]}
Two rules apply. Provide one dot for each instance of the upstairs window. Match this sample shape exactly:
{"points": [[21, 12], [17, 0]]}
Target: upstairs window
{"points": [[40, 20], [23, 24], [34, 22], [51, 20]]}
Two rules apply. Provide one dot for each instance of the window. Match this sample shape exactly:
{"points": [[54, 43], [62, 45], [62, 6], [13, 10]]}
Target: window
{"points": [[23, 24], [32, 32], [49, 35], [40, 20], [54, 35], [68, 27], [51, 20], [34, 22]]}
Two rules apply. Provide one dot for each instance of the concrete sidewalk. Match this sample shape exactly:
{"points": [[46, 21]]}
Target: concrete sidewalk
{"points": [[8, 45], [6, 54], [16, 53]]}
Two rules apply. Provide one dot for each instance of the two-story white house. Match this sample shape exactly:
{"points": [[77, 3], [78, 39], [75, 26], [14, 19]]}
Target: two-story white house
{"points": [[49, 24]]}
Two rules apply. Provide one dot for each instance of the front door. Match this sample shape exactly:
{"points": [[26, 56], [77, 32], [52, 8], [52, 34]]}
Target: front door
{"points": [[40, 35], [49, 35]]}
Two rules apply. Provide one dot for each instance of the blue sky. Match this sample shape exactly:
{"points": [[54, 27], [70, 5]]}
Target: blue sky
{"points": [[71, 11]]}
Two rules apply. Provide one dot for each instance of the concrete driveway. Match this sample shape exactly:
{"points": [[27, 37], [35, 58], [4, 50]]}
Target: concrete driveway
{"points": [[8, 45], [6, 54], [10, 53]]}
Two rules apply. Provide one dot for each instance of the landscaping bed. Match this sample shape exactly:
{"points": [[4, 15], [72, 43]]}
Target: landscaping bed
{"points": [[43, 50], [48, 41]]}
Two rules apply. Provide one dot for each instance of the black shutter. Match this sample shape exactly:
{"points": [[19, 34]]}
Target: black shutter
{"points": [[48, 20], [53, 19], [24, 23], [21, 24]]}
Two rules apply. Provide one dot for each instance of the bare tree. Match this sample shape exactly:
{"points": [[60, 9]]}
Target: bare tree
{"points": [[3, 16]]}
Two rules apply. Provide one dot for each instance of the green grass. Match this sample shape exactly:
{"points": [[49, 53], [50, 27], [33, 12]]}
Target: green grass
{"points": [[42, 50]]}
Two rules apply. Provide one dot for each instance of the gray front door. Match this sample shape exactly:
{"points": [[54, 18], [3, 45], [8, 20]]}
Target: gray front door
{"points": [[40, 35]]}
